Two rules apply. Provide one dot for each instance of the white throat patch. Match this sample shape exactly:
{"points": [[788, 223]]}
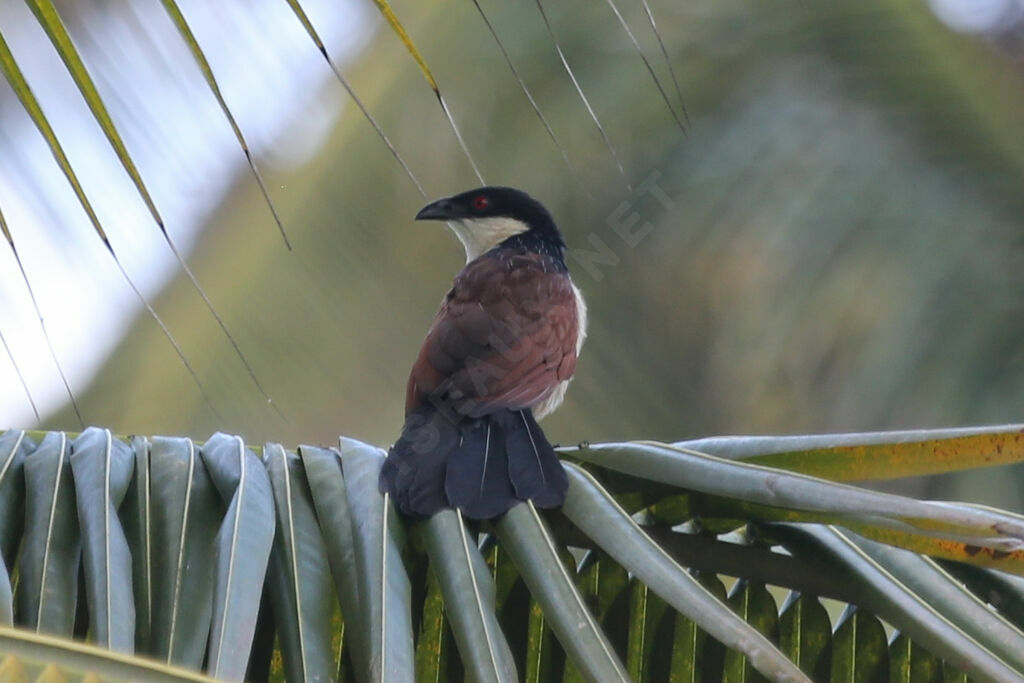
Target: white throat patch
{"points": [[481, 234]]}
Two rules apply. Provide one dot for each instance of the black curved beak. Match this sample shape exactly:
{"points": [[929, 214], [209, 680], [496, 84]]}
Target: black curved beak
{"points": [[441, 210]]}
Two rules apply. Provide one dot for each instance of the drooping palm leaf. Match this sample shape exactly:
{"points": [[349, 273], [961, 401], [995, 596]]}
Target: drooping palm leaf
{"points": [[185, 516], [102, 468], [598, 516], [384, 590], [399, 30], [242, 551], [47, 592], [596, 592], [874, 456], [299, 574], [526, 537], [13, 447], [180, 23], [583, 98], [38, 656], [137, 520], [50, 21], [468, 591], [936, 587], [327, 487], [905, 609], [762, 485]]}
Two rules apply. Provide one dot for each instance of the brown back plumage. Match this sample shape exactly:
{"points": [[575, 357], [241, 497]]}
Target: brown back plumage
{"points": [[505, 337]]}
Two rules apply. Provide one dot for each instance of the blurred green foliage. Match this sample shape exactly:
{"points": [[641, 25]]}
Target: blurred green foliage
{"points": [[837, 247]]}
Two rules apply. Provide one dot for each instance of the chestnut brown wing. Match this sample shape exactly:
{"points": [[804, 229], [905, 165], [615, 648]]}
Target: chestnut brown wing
{"points": [[505, 337]]}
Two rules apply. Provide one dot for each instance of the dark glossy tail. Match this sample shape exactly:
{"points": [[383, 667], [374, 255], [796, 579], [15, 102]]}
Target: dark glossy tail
{"points": [[483, 466]]}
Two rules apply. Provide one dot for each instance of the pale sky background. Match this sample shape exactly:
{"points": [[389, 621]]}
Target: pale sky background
{"points": [[280, 91]]}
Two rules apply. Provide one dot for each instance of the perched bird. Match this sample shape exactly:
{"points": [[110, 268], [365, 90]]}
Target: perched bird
{"points": [[498, 357]]}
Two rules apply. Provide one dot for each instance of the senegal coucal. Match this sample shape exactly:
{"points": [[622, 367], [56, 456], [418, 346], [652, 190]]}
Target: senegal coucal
{"points": [[497, 358]]}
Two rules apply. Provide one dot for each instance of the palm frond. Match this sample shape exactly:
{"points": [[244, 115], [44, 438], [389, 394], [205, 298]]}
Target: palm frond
{"points": [[627, 582]]}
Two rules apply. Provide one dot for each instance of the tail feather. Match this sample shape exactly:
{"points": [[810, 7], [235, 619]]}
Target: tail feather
{"points": [[534, 468], [481, 465], [415, 467], [477, 479]]}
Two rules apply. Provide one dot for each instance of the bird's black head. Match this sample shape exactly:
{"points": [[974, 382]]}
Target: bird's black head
{"points": [[488, 216]]}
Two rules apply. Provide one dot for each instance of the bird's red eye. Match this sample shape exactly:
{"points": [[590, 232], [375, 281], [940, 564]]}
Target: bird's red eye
{"points": [[480, 202]]}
